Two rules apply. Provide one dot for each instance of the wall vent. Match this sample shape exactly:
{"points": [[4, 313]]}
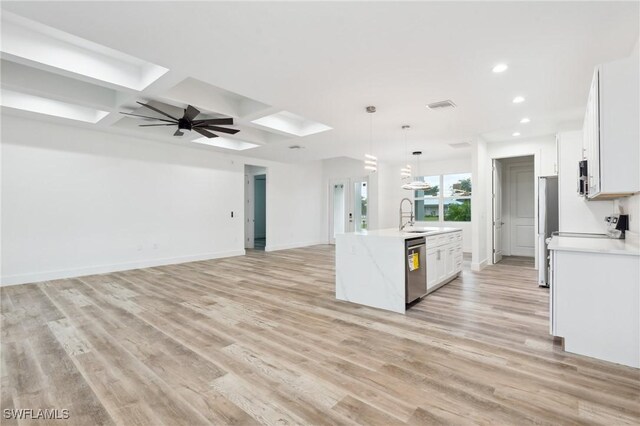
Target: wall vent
{"points": [[460, 145], [442, 104]]}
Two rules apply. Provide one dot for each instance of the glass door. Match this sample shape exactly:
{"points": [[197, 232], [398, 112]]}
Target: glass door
{"points": [[348, 206], [360, 200]]}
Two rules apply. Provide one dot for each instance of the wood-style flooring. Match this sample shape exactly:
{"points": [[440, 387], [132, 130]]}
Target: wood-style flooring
{"points": [[260, 339]]}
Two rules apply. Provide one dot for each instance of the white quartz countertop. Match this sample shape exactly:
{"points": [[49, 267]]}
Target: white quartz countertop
{"points": [[405, 234], [627, 246]]}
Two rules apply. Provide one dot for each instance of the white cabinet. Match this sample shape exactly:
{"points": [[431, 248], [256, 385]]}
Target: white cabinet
{"points": [[444, 258], [595, 304], [432, 265], [449, 260], [611, 143]]}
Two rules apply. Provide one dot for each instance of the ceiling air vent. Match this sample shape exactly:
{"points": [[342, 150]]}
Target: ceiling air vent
{"points": [[442, 104], [460, 145]]}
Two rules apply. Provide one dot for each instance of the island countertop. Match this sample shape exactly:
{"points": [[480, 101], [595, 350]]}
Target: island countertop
{"points": [[408, 232]]}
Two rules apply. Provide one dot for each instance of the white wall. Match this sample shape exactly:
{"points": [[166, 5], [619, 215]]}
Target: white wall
{"points": [[294, 205], [576, 214], [481, 169], [77, 201]]}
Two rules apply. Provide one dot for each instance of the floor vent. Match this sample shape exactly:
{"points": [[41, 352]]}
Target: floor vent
{"points": [[442, 104]]}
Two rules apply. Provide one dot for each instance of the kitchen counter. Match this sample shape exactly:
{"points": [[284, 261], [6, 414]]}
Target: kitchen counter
{"points": [[408, 232], [371, 265], [627, 246]]}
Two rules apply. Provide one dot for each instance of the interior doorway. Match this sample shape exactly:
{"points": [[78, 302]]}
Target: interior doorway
{"points": [[514, 202], [255, 208], [348, 206]]}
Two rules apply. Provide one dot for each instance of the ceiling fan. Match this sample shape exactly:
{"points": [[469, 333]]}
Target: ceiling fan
{"points": [[188, 122]]}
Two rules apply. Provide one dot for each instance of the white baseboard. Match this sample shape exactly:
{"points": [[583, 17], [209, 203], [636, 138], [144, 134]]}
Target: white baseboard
{"points": [[292, 246], [8, 280], [479, 266]]}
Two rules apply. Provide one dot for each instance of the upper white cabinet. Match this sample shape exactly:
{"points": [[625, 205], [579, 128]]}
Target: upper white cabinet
{"points": [[611, 131]]}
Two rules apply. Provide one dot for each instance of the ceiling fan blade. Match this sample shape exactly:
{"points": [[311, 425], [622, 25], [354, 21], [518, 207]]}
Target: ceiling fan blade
{"points": [[150, 125], [214, 121], [157, 110], [219, 129], [191, 112], [178, 133], [205, 133], [152, 118]]}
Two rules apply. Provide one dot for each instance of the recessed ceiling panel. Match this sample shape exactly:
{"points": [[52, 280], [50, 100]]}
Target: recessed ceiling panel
{"points": [[213, 98], [226, 143], [287, 122], [25, 102], [34, 43], [24, 79]]}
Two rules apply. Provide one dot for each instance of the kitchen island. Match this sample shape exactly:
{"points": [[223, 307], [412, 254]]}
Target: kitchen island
{"points": [[372, 266]]}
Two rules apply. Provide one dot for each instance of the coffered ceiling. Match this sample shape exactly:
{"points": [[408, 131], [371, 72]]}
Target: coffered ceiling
{"points": [[302, 73]]}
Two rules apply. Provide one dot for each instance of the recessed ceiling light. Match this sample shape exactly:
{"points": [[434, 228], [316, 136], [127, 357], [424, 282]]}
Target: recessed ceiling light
{"points": [[516, 134], [518, 99], [525, 120], [500, 68]]}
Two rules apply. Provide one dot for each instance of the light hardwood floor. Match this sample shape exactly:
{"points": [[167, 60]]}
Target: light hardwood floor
{"points": [[261, 339]]}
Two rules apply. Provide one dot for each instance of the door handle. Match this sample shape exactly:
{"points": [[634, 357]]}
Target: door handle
{"points": [[350, 217]]}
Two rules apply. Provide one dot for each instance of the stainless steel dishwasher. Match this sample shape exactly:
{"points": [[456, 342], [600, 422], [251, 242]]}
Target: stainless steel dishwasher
{"points": [[415, 269]]}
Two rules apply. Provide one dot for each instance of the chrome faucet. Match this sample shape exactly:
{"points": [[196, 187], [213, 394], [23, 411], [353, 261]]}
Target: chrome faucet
{"points": [[403, 215]]}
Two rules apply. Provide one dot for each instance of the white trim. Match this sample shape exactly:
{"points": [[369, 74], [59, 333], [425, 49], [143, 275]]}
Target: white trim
{"points": [[294, 245], [103, 269], [477, 267]]}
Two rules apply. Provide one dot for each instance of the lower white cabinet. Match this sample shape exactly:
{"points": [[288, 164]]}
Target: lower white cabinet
{"points": [[595, 304], [432, 265], [444, 258]]}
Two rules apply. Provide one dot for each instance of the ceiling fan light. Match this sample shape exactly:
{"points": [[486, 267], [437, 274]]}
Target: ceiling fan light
{"points": [[371, 162]]}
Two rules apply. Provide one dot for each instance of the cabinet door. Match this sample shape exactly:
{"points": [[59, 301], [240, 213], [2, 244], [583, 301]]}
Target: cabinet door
{"points": [[432, 268], [449, 260], [441, 268], [592, 137]]}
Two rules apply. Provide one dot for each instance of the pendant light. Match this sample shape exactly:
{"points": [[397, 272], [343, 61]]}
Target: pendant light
{"points": [[405, 172], [371, 161], [415, 184]]}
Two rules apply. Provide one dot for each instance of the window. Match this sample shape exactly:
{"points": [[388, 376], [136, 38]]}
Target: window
{"points": [[448, 200], [427, 202]]}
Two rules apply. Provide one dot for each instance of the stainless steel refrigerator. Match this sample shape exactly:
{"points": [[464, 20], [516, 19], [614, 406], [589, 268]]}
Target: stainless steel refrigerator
{"points": [[547, 223]]}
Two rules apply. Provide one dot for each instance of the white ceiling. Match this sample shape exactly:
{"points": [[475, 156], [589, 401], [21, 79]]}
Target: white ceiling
{"points": [[328, 61]]}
